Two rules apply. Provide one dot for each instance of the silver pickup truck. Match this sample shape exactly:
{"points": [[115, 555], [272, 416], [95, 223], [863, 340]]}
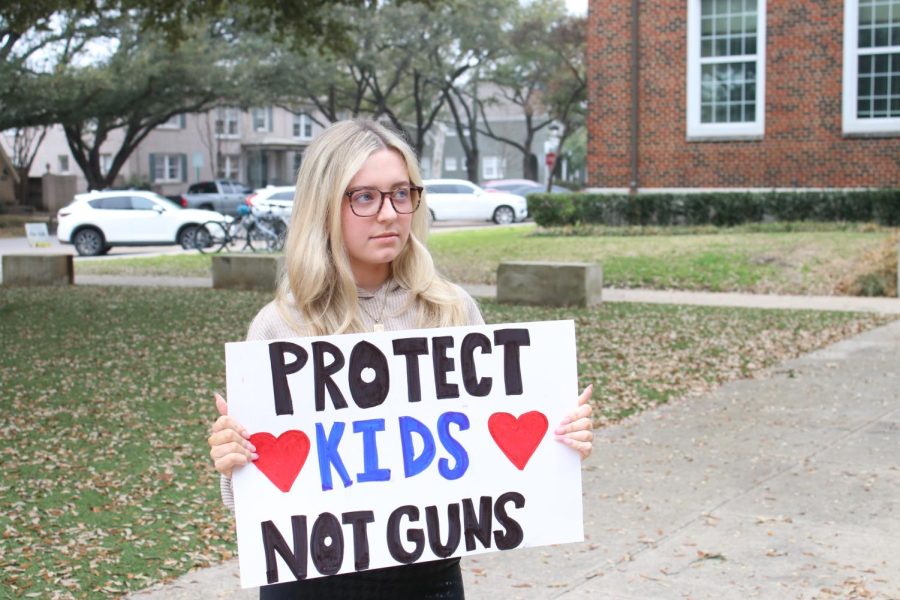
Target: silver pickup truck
{"points": [[221, 195]]}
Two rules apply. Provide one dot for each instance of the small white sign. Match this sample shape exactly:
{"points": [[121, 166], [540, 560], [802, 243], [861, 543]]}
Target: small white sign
{"points": [[37, 234], [390, 448]]}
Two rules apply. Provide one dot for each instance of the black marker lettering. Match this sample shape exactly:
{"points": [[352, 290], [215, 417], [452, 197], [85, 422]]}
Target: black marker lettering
{"points": [[443, 364], [322, 374], [359, 520], [412, 348], [511, 339], [477, 526], [473, 385], [413, 535], [327, 558], [433, 523], [280, 371], [513, 534], [274, 542], [372, 393]]}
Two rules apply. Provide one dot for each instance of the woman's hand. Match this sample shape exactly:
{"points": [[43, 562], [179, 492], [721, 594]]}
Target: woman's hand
{"points": [[229, 443], [575, 429]]}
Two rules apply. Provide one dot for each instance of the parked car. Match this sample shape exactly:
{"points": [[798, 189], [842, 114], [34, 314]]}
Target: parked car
{"points": [[521, 187], [450, 199], [96, 221], [220, 195], [275, 199]]}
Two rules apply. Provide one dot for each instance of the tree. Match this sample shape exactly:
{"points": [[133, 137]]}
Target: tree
{"points": [[534, 74], [25, 142], [142, 84], [566, 90]]}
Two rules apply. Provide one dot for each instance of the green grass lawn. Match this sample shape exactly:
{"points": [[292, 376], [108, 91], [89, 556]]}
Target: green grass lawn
{"points": [[106, 407], [787, 262]]}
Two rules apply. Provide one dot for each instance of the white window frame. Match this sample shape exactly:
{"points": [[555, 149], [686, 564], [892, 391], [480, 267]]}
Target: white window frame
{"points": [[493, 167], [850, 123], [64, 163], [173, 123], [450, 163], [267, 124], [302, 126], [698, 131], [228, 115], [229, 166], [168, 162]]}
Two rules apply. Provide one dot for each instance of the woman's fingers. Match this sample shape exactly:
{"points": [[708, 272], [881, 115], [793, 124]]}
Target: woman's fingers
{"points": [[229, 443], [585, 396], [221, 405], [583, 448], [575, 429], [578, 424]]}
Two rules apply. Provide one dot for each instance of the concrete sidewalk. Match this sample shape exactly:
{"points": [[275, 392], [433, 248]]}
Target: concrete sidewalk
{"points": [[835, 303], [784, 486]]}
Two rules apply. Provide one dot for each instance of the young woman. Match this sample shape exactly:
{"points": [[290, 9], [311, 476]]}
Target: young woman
{"points": [[356, 261]]}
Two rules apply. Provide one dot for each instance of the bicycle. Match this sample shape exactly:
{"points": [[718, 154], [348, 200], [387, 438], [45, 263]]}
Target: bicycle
{"points": [[248, 232]]}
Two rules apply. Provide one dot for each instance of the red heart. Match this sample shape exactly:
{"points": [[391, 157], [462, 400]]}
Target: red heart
{"points": [[518, 438], [280, 459]]}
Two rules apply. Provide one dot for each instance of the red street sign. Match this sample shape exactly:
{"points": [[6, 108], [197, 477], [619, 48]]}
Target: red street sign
{"points": [[550, 159]]}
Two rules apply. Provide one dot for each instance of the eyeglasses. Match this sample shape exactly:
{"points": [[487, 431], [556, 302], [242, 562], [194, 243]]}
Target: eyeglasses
{"points": [[365, 202]]}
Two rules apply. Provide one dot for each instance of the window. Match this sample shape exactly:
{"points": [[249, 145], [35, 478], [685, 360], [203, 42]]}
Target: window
{"points": [[113, 203], [492, 167], [298, 160], [174, 122], [871, 102], [138, 203], [441, 188], [262, 119], [167, 167], [303, 127], [726, 69], [229, 166], [63, 163], [105, 163], [227, 120], [204, 187], [450, 163]]}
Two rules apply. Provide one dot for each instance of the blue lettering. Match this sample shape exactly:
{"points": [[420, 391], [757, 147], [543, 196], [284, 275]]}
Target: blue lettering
{"points": [[370, 451], [452, 446], [413, 465], [328, 455]]}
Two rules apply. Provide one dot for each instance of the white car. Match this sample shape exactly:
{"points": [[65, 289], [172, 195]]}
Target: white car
{"points": [[96, 221], [277, 200], [458, 199]]}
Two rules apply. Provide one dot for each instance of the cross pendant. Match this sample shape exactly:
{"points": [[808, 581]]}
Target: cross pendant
{"points": [[378, 326]]}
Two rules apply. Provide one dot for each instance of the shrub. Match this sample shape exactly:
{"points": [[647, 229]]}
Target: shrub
{"points": [[723, 209]]}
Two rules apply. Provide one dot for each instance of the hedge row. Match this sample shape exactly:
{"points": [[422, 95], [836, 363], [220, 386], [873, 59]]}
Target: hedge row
{"points": [[715, 208]]}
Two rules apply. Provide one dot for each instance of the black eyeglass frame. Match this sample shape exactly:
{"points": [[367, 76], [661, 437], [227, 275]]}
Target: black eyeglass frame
{"points": [[417, 188]]}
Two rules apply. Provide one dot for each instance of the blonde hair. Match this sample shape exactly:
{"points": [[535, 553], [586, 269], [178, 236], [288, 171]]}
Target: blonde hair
{"points": [[317, 281]]}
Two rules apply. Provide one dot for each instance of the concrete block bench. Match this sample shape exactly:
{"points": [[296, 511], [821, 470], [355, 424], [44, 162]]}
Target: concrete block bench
{"points": [[550, 283], [38, 269], [246, 271]]}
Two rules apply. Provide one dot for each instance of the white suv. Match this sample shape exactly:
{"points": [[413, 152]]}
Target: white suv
{"points": [[96, 221], [452, 199]]}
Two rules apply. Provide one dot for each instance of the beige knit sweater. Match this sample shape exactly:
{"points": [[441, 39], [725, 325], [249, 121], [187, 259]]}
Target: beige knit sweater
{"points": [[391, 304]]}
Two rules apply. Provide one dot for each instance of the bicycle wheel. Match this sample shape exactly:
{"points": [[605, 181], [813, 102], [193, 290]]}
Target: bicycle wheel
{"points": [[211, 237], [260, 238], [281, 236]]}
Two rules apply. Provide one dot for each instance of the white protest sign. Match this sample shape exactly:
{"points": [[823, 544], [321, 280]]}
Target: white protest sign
{"points": [[384, 449], [37, 234]]}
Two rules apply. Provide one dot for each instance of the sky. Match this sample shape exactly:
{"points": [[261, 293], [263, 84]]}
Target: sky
{"points": [[577, 7]]}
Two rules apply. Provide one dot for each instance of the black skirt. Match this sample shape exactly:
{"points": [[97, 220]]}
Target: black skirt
{"points": [[433, 580]]}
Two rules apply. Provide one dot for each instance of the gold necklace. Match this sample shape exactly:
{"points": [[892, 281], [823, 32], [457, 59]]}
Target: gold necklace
{"points": [[379, 322]]}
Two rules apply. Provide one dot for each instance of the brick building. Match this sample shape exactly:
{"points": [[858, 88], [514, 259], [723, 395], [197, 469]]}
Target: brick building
{"points": [[749, 94]]}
